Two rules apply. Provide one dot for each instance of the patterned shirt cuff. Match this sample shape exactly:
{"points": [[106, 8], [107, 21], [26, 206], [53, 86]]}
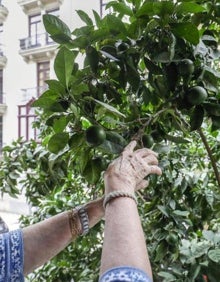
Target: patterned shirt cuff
{"points": [[125, 274], [11, 256]]}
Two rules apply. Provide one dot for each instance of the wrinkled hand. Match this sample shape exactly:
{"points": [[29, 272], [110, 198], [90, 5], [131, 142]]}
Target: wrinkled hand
{"points": [[129, 170]]}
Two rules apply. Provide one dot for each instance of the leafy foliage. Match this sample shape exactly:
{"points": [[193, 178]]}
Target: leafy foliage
{"points": [[126, 74]]}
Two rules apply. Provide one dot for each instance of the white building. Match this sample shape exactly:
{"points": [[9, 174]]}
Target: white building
{"points": [[26, 61]]}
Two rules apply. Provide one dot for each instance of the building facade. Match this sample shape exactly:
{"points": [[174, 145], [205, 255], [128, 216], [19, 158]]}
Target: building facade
{"points": [[26, 60]]}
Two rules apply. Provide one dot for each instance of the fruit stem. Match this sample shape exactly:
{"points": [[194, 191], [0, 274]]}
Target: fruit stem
{"points": [[212, 159]]}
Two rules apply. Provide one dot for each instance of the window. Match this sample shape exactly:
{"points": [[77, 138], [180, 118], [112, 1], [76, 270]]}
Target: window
{"points": [[43, 73], [26, 117], [26, 114], [35, 30], [37, 35]]}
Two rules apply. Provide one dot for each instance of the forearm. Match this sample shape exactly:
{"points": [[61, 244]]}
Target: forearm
{"points": [[46, 239], [124, 242]]}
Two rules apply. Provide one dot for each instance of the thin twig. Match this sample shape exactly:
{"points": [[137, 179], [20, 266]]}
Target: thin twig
{"points": [[212, 159]]}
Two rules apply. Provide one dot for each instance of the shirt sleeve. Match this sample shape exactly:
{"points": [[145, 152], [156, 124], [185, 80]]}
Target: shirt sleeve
{"points": [[125, 274], [11, 256]]}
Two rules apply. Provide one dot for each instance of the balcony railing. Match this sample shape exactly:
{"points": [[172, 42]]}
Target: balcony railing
{"points": [[29, 94], [35, 41], [37, 48]]}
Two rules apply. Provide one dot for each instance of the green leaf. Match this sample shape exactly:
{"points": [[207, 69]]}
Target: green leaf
{"points": [[152, 67], [79, 88], [214, 255], [161, 251], [58, 30], [92, 56], [46, 99], [63, 65], [189, 7], [92, 172], [58, 142], [56, 86], [83, 159], [120, 8], [196, 118], [156, 8], [84, 17], [80, 42], [109, 108], [208, 235], [168, 276], [181, 213], [164, 210], [59, 124], [212, 109], [215, 123], [176, 139], [76, 140], [187, 31], [115, 25], [98, 19]]}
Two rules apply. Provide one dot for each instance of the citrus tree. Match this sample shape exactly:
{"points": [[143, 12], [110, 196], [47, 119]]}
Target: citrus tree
{"points": [[146, 71]]}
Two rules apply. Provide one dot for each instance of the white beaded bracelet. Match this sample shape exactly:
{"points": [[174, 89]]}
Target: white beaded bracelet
{"points": [[117, 194]]}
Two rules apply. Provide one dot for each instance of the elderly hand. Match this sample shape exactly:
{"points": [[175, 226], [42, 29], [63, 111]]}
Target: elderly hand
{"points": [[127, 172]]}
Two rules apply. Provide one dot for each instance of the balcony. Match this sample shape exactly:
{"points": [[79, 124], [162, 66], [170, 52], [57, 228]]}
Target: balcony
{"points": [[3, 12], [37, 48], [30, 6], [3, 106], [29, 94], [3, 59]]}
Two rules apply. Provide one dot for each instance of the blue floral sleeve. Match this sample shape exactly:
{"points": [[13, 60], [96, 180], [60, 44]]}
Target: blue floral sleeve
{"points": [[11, 256], [125, 274]]}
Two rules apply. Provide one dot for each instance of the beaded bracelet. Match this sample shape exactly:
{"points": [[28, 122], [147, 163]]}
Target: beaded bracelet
{"points": [[84, 219], [117, 194], [78, 212], [74, 228]]}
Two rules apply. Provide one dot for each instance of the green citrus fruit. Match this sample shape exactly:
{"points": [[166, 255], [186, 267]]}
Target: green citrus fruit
{"points": [[196, 95], [147, 140], [95, 135], [172, 239], [186, 67]]}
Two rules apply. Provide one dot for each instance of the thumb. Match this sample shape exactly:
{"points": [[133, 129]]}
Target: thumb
{"points": [[141, 185]]}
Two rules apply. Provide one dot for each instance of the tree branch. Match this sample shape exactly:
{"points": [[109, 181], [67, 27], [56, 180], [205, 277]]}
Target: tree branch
{"points": [[212, 159]]}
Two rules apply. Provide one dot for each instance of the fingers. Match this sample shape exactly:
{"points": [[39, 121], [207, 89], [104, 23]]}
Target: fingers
{"points": [[144, 152], [154, 169], [130, 147]]}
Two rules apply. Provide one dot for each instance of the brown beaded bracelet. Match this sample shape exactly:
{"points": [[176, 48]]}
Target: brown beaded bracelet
{"points": [[73, 222]]}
